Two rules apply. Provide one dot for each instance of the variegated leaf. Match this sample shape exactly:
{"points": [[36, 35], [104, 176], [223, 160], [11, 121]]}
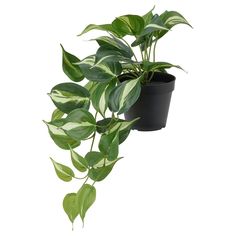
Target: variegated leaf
{"points": [[68, 60], [128, 25], [69, 96], [79, 124], [103, 72], [158, 66], [125, 95], [170, 19], [60, 138], [100, 96], [115, 44]]}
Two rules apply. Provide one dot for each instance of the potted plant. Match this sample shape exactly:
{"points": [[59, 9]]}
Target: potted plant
{"points": [[115, 79]]}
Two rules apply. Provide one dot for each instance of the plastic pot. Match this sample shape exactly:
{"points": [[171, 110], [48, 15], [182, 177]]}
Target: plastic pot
{"points": [[153, 104]]}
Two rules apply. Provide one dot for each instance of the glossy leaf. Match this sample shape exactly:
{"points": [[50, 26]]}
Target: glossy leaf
{"points": [[170, 19], [93, 158], [73, 72], [156, 24], [104, 72], [60, 138], [86, 197], [105, 27], [115, 44], [109, 145], [100, 96], [69, 96], [105, 54], [123, 128], [57, 114], [100, 173], [148, 16], [125, 95], [158, 66], [78, 161], [104, 124], [71, 206], [63, 172], [128, 25], [79, 124]]}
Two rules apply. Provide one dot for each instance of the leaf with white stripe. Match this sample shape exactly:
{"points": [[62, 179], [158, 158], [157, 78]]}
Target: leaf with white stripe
{"points": [[125, 95], [57, 114], [148, 16], [79, 124], [73, 72], [103, 72], [60, 138], [63, 172], [115, 44], [105, 54], [128, 25], [170, 19], [69, 96], [100, 96], [104, 27], [158, 66]]}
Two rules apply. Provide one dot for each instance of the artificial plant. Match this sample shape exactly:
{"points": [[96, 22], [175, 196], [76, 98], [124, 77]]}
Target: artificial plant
{"points": [[91, 111]]}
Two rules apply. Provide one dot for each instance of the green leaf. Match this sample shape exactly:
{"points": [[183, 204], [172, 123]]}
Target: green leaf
{"points": [[57, 114], [100, 173], [60, 138], [93, 158], [123, 127], [156, 24], [78, 161], [73, 72], [115, 44], [170, 19], [86, 197], [105, 27], [125, 95], [69, 96], [104, 72], [105, 54], [71, 206], [63, 172], [109, 145], [104, 124], [148, 16], [158, 66], [128, 25], [79, 124], [100, 96]]}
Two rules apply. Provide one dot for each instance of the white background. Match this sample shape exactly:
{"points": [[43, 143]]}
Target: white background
{"points": [[177, 181]]}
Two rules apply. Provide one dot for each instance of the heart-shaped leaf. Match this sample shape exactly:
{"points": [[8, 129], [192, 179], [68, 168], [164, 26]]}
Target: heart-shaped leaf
{"points": [[158, 66], [104, 72], [60, 138], [79, 124], [128, 25], [170, 19], [125, 95], [93, 158], [86, 197], [63, 172], [71, 206], [69, 96], [72, 71], [109, 145], [100, 96], [78, 161]]}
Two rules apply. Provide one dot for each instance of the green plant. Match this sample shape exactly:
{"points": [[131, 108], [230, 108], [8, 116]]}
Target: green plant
{"points": [[73, 121]]}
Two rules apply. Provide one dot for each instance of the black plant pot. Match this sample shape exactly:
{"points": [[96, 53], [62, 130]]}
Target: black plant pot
{"points": [[153, 104]]}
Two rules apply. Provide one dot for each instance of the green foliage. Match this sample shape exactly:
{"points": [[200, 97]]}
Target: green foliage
{"points": [[112, 80]]}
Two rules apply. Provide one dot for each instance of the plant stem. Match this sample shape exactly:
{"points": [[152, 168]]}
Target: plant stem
{"points": [[141, 52], [81, 178], [154, 50], [94, 134], [150, 47]]}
